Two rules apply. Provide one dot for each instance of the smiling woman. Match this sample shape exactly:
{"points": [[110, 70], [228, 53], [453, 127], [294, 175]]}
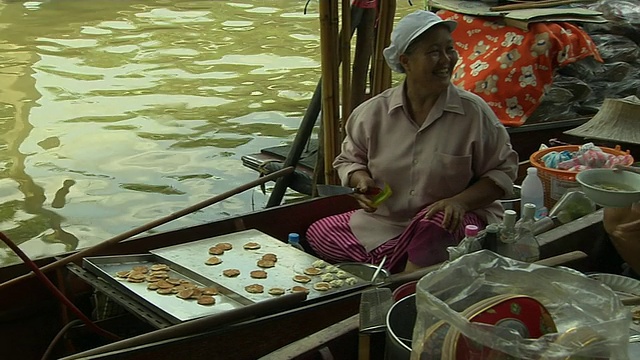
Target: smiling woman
{"points": [[441, 150], [113, 114]]}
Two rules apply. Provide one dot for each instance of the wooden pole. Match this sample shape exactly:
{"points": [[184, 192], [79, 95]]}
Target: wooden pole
{"points": [[362, 57], [345, 45], [178, 214], [328, 44], [381, 72], [201, 325]]}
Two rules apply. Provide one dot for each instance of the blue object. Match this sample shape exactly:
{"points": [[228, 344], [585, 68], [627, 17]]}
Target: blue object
{"points": [[294, 240]]}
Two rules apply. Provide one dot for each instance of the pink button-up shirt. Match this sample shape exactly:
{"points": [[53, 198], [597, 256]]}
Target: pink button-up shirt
{"points": [[460, 141]]}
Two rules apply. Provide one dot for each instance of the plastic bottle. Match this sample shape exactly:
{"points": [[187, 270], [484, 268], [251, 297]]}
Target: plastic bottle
{"points": [[532, 192], [467, 245], [294, 240], [471, 237]]}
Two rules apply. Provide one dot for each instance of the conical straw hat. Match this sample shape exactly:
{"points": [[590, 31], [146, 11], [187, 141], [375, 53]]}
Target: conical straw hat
{"points": [[618, 120]]}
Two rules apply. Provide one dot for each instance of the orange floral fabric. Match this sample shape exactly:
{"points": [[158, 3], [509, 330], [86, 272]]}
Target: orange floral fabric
{"points": [[511, 68]]}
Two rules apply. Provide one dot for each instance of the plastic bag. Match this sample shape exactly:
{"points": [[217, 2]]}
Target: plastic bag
{"points": [[572, 205], [623, 18], [589, 320]]}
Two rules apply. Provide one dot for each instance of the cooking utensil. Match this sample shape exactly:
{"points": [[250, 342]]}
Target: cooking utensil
{"points": [[363, 270], [628, 168], [375, 274], [374, 305], [631, 301], [334, 190], [379, 194]]}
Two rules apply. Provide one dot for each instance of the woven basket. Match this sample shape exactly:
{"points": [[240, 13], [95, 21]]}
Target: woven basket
{"points": [[557, 182]]}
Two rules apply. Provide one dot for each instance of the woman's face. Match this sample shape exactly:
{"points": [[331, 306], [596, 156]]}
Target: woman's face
{"points": [[429, 60]]}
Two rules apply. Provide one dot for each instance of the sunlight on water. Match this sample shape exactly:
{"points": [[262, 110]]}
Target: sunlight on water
{"points": [[117, 113]]}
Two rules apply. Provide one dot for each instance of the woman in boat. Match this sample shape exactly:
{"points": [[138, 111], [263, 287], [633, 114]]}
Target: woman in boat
{"points": [[442, 151], [623, 227]]}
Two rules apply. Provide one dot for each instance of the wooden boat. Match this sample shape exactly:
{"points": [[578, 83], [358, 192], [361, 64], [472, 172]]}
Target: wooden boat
{"points": [[31, 317]]}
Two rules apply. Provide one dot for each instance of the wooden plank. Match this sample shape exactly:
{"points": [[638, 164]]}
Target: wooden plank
{"points": [[316, 341], [247, 340]]}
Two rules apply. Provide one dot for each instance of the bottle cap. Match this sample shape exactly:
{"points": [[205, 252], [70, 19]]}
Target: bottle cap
{"points": [[294, 237], [529, 210], [471, 231], [509, 218], [492, 228], [532, 170]]}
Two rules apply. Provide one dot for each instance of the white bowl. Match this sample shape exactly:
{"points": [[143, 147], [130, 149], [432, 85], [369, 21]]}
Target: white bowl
{"points": [[627, 186]]}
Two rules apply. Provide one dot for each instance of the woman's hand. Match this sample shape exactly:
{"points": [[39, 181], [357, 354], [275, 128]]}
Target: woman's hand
{"points": [[453, 213], [364, 184]]}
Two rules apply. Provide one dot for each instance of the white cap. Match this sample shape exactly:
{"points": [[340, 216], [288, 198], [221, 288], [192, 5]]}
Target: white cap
{"points": [[529, 210], [532, 170], [509, 218], [407, 30]]}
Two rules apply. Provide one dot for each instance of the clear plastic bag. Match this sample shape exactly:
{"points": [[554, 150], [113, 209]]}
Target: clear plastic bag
{"points": [[571, 206], [589, 320]]}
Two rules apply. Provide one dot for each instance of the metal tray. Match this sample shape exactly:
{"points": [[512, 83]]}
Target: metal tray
{"points": [[170, 307], [291, 261]]}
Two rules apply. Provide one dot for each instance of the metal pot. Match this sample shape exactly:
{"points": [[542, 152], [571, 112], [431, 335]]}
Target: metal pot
{"points": [[512, 202], [399, 322]]}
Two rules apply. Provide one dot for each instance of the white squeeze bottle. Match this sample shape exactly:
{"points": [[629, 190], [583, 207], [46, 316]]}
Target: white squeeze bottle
{"points": [[532, 192]]}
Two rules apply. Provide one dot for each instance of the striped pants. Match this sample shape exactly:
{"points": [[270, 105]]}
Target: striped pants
{"points": [[424, 242]]}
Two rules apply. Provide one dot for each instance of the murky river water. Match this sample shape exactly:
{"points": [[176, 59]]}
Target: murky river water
{"points": [[117, 113]]}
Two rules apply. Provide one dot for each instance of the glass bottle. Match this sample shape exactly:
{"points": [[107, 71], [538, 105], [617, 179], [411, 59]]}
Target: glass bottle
{"points": [[490, 240], [508, 227], [522, 244], [526, 243], [507, 234]]}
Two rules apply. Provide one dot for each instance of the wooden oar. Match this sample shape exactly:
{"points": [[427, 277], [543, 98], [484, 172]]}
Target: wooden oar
{"points": [[631, 301], [118, 238], [534, 5], [555, 260]]}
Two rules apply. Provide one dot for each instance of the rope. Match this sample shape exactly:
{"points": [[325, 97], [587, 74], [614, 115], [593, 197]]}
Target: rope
{"points": [[54, 290]]}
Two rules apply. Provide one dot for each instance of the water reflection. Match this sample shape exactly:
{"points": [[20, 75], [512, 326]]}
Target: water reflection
{"points": [[113, 114]]}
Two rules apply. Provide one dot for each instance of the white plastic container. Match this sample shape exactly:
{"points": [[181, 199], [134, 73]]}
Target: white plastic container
{"points": [[532, 192]]}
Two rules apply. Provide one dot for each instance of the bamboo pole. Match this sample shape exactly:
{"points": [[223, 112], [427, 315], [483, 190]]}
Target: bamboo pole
{"points": [[328, 44], [362, 57], [381, 72], [345, 45]]}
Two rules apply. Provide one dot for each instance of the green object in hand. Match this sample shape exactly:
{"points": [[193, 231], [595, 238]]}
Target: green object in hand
{"points": [[382, 195]]}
